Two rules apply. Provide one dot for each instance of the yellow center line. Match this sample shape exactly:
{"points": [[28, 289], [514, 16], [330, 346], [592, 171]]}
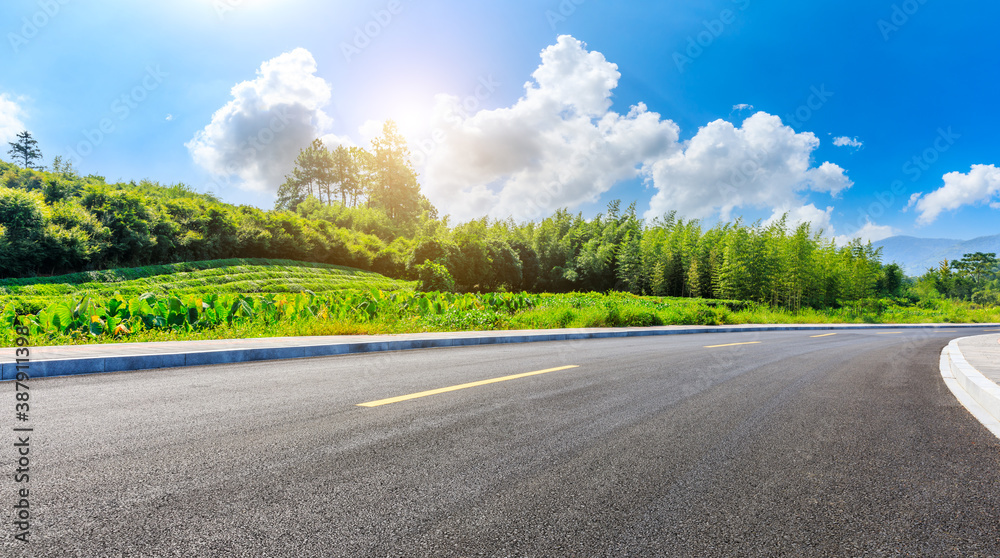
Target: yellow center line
{"points": [[824, 335], [731, 344], [461, 386], [991, 330]]}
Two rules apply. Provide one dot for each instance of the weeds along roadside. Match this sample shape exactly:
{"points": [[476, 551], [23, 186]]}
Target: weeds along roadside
{"points": [[373, 311]]}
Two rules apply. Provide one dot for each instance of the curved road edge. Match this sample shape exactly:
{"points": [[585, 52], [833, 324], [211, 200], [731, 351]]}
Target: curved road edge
{"points": [[974, 391]]}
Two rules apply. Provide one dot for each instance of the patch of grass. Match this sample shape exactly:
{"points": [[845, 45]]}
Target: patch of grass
{"points": [[351, 311]]}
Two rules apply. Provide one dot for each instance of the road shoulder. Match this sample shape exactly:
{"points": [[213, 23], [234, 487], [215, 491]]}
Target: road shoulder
{"points": [[969, 368]]}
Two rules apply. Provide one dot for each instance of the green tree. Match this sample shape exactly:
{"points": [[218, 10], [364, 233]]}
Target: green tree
{"points": [[395, 190], [130, 219], [74, 238], [434, 277], [978, 266], [364, 167], [25, 150], [22, 228], [631, 274], [344, 174], [694, 280], [311, 176]]}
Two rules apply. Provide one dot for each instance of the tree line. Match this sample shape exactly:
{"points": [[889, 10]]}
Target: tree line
{"points": [[975, 277], [364, 209]]}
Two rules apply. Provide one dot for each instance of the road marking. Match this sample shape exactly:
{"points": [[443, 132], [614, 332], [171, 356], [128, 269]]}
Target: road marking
{"points": [[824, 335], [991, 330], [461, 386], [888, 332], [731, 344]]}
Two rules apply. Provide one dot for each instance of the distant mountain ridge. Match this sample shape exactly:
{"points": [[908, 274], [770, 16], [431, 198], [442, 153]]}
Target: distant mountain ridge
{"points": [[916, 255]]}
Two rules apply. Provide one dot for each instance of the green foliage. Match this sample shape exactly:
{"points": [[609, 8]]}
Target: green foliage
{"points": [[363, 209], [209, 315], [234, 276], [383, 178], [395, 189], [434, 277], [987, 298], [118, 316], [57, 222], [22, 229], [973, 278]]}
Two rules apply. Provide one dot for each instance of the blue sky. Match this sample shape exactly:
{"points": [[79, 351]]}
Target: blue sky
{"points": [[641, 101]]}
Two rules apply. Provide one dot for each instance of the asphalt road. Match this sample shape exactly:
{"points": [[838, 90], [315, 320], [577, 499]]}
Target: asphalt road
{"points": [[841, 445]]}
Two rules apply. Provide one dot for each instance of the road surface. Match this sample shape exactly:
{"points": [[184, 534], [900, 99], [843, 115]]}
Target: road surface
{"points": [[751, 444]]}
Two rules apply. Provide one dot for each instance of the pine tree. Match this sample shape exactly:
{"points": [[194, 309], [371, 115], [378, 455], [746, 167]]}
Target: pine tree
{"points": [[395, 190], [25, 149]]}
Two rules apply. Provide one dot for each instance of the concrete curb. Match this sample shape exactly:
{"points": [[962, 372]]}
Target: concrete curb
{"points": [[97, 365], [976, 392]]}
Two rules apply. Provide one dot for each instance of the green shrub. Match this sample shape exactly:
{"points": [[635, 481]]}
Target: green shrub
{"points": [[434, 277]]}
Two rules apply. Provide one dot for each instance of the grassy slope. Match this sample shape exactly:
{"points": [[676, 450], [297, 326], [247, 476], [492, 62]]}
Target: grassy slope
{"points": [[214, 276]]}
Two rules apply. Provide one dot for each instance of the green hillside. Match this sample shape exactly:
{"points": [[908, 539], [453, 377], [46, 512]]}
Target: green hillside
{"points": [[231, 276]]}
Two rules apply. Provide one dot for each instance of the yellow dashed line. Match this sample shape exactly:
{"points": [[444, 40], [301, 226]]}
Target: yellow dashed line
{"points": [[731, 344], [460, 386]]}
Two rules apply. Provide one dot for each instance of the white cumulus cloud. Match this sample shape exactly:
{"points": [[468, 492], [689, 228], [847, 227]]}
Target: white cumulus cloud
{"points": [[763, 163], [559, 145], [980, 185], [844, 141], [10, 119], [257, 135]]}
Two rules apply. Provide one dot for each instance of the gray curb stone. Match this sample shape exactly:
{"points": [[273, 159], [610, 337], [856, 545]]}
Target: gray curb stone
{"points": [[978, 386]]}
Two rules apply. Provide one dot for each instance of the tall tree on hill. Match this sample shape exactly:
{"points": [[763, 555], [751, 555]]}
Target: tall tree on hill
{"points": [[25, 150], [344, 173], [312, 176], [395, 189], [292, 192], [364, 167]]}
